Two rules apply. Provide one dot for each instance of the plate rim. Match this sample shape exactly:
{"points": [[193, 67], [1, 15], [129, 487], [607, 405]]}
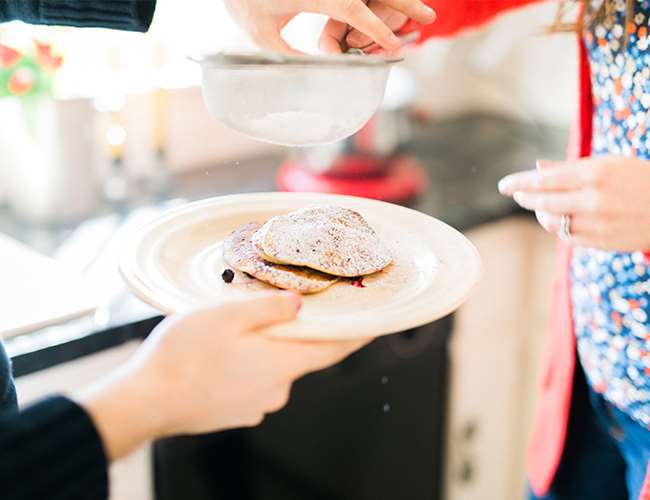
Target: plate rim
{"points": [[161, 300]]}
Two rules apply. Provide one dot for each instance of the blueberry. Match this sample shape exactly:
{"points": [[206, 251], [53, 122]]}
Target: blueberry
{"points": [[228, 275]]}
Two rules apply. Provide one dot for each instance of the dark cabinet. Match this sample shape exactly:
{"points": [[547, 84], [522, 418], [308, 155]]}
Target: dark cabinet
{"points": [[370, 428]]}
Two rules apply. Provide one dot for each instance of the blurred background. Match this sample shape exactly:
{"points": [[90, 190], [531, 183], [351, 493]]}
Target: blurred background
{"points": [[100, 131]]}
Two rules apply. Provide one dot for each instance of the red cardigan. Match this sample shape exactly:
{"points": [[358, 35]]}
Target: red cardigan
{"points": [[548, 436]]}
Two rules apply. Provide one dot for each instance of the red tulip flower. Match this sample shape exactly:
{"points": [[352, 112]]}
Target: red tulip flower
{"points": [[46, 58], [8, 56], [21, 82]]}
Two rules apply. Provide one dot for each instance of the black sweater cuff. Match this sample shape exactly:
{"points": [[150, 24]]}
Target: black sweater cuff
{"points": [[8, 401], [129, 15], [52, 450]]}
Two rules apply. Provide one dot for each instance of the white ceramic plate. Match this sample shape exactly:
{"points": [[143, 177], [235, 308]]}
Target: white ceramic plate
{"points": [[175, 263]]}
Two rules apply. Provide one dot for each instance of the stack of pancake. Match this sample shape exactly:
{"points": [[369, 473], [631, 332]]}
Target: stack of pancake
{"points": [[307, 250]]}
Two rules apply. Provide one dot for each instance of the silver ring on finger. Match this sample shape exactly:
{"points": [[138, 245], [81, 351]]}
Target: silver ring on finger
{"points": [[565, 227]]}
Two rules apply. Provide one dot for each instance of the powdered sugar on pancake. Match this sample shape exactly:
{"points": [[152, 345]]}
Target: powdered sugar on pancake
{"points": [[331, 239], [240, 252]]}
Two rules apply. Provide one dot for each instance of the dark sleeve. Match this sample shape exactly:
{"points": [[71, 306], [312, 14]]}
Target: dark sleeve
{"points": [[7, 390], [51, 450], [129, 15]]}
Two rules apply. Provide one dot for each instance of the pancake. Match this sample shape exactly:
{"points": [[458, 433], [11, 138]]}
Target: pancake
{"points": [[242, 254], [330, 239]]}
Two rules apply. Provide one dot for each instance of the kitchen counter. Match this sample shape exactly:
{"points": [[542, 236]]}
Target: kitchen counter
{"points": [[464, 158]]}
